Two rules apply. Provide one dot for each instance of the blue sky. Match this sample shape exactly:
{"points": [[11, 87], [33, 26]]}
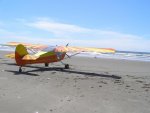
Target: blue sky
{"points": [[119, 24]]}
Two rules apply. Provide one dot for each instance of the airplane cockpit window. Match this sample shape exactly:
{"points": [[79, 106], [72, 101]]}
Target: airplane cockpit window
{"points": [[50, 48]]}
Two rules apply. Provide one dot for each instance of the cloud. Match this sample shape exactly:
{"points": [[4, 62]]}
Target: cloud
{"points": [[61, 33], [81, 36], [58, 29]]}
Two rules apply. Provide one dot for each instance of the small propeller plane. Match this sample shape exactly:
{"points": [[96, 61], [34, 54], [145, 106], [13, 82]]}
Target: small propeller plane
{"points": [[46, 54]]}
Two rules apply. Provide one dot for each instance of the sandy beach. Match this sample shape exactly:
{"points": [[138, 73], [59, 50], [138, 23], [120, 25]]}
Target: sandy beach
{"points": [[92, 85]]}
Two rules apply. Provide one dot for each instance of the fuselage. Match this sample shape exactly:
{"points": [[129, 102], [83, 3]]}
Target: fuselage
{"points": [[55, 54]]}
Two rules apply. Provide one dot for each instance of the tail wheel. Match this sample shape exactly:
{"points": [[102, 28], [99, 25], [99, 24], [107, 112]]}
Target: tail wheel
{"points": [[66, 66], [20, 70], [46, 64]]}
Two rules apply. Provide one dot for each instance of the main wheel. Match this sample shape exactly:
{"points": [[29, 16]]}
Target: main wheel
{"points": [[46, 64], [66, 66]]}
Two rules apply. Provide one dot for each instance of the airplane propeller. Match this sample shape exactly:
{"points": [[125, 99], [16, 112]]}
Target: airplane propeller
{"points": [[66, 53], [67, 45]]}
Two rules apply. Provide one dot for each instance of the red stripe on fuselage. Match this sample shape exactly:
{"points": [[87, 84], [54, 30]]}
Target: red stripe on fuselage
{"points": [[48, 59]]}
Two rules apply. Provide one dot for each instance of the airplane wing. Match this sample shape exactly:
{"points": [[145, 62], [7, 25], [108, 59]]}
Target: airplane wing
{"points": [[69, 49], [27, 45], [90, 49], [78, 50], [33, 48]]}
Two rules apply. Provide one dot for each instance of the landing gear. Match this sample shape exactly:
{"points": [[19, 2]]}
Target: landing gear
{"points": [[46, 64], [20, 70], [66, 66]]}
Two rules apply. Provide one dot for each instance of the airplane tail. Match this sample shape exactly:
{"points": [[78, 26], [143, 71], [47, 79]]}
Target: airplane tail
{"points": [[20, 52]]}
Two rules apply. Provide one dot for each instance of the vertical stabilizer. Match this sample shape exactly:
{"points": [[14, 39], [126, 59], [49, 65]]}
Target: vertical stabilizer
{"points": [[20, 52]]}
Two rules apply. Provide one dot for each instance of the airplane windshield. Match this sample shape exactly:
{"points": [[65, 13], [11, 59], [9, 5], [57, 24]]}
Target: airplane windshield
{"points": [[50, 48]]}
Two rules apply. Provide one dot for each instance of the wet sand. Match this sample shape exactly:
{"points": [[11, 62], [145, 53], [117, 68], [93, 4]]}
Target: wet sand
{"points": [[90, 86]]}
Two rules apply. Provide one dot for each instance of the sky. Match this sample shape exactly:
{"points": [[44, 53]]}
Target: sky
{"points": [[119, 24]]}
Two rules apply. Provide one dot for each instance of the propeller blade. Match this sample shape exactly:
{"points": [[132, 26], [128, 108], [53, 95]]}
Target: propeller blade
{"points": [[67, 45]]}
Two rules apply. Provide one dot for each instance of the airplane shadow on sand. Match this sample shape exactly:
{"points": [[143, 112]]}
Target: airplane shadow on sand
{"points": [[59, 69]]}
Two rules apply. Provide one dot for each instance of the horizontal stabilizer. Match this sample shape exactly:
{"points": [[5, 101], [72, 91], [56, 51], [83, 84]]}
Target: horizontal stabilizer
{"points": [[10, 55]]}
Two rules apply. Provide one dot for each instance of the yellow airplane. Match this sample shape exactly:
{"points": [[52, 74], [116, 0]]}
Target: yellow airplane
{"points": [[47, 54]]}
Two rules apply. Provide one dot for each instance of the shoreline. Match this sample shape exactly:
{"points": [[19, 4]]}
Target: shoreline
{"points": [[130, 56], [91, 86]]}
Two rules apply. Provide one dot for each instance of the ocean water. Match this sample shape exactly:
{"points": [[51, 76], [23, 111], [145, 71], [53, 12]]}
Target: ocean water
{"points": [[138, 56], [126, 55], [6, 48]]}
